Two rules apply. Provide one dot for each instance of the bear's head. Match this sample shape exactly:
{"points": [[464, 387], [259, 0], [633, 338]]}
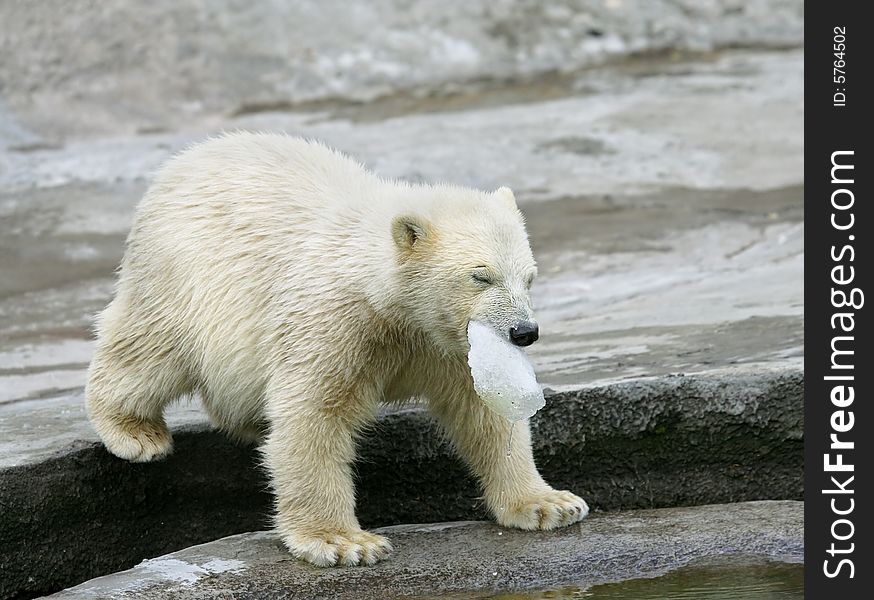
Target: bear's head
{"points": [[465, 256]]}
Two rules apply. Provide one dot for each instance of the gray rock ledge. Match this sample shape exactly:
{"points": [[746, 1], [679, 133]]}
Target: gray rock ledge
{"points": [[447, 558], [670, 441]]}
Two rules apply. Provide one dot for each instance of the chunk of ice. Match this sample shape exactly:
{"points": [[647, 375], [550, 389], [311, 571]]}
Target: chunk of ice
{"points": [[502, 374]]}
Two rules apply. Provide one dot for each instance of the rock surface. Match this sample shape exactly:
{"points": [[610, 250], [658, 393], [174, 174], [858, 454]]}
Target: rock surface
{"points": [[640, 444], [130, 68], [474, 557]]}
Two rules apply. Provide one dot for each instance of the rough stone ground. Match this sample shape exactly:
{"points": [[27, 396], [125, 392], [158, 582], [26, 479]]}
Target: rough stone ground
{"points": [[473, 557], [640, 444], [654, 146], [127, 68]]}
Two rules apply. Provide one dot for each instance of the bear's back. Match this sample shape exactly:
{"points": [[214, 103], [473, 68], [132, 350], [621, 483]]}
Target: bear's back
{"points": [[247, 171], [247, 228], [260, 195]]}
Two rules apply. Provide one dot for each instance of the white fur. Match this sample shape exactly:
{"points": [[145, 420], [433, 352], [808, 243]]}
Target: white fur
{"points": [[295, 291]]}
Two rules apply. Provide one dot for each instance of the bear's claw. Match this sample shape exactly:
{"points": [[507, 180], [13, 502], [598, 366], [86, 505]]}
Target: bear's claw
{"points": [[545, 510], [347, 548]]}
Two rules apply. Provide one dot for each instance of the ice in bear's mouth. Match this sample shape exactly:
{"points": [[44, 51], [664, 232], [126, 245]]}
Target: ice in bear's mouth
{"points": [[503, 376]]}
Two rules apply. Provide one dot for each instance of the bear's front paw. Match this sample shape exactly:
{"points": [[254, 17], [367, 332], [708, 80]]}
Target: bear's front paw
{"points": [[348, 548], [543, 510]]}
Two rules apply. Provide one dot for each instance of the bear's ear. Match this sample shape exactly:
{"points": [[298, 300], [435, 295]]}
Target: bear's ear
{"points": [[408, 231], [506, 194]]}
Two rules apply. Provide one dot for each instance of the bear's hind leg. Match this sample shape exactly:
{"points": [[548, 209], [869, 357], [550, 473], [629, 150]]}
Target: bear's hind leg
{"points": [[127, 390]]}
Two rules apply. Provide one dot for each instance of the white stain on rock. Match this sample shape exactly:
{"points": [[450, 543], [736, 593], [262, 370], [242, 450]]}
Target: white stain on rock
{"points": [[173, 569], [186, 573]]}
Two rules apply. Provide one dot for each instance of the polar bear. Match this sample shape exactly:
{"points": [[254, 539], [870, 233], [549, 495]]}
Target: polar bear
{"points": [[295, 292]]}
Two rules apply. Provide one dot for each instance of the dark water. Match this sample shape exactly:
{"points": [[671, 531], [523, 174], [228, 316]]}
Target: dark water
{"points": [[770, 581]]}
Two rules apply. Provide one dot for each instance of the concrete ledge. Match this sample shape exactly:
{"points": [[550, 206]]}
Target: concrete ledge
{"points": [[470, 557], [648, 443]]}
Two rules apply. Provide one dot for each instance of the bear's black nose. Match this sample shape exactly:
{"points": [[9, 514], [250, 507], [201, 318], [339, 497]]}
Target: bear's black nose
{"points": [[524, 334]]}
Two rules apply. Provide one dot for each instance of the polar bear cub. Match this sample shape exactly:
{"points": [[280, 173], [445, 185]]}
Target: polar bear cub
{"points": [[295, 292]]}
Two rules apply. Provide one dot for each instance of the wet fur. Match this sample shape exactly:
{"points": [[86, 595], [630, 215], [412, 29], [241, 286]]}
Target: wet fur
{"points": [[295, 292]]}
